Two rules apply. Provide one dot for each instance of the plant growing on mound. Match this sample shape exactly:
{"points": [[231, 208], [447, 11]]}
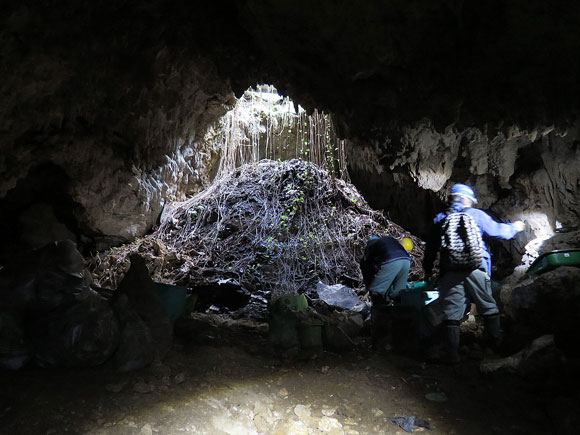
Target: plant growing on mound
{"points": [[278, 226]]}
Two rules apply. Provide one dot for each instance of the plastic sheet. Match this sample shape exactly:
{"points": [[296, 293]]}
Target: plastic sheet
{"points": [[337, 295]]}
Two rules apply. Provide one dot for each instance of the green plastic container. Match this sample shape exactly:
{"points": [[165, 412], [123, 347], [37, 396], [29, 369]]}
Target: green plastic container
{"points": [[283, 322], [310, 335], [553, 259], [173, 298], [418, 294], [288, 301]]}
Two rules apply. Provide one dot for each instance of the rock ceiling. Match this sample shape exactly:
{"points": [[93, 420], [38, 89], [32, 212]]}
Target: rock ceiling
{"points": [[117, 96]]}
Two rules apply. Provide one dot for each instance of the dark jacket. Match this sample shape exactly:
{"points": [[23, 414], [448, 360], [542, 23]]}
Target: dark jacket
{"points": [[487, 226], [378, 252]]}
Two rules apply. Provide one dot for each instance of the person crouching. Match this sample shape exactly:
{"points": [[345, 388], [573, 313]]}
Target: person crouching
{"points": [[385, 269]]}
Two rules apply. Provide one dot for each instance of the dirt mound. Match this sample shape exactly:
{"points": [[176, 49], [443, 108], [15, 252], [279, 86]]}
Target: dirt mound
{"points": [[276, 226]]}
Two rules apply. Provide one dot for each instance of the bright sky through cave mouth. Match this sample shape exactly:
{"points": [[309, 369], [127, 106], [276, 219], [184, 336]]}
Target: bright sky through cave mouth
{"points": [[266, 125]]}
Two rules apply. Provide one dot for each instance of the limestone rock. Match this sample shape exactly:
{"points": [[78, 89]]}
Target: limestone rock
{"points": [[302, 411], [327, 424], [548, 304], [351, 323]]}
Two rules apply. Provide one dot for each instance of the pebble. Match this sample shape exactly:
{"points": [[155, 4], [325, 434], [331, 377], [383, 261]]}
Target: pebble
{"points": [[160, 370], [179, 378], [146, 430], [128, 421], [142, 387], [115, 388], [328, 411], [436, 397], [167, 408], [326, 424], [296, 428], [263, 422], [283, 392], [301, 411]]}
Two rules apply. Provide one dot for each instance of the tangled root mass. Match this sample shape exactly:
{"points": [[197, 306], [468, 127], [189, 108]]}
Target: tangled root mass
{"points": [[271, 225]]}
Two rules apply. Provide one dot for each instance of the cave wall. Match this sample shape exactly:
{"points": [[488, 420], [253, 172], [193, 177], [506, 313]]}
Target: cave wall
{"points": [[119, 95], [532, 175], [107, 95]]}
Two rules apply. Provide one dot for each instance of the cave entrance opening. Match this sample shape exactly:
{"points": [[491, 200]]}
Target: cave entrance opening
{"points": [[266, 125]]}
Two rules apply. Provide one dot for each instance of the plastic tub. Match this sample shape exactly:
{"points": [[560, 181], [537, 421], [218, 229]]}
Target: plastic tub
{"points": [[431, 296], [412, 298], [310, 335], [289, 301], [282, 321], [173, 299], [418, 294], [553, 259]]}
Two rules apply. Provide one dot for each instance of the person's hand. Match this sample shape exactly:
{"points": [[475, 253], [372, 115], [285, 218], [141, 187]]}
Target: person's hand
{"points": [[520, 225]]}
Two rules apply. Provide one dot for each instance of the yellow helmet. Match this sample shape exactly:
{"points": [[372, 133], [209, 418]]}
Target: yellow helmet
{"points": [[407, 244]]}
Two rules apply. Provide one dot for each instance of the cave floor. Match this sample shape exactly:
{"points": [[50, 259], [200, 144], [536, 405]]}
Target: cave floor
{"points": [[238, 385]]}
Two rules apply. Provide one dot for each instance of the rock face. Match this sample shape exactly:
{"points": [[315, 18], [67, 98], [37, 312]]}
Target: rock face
{"points": [[118, 171], [529, 175], [109, 103], [548, 304], [50, 315], [117, 119]]}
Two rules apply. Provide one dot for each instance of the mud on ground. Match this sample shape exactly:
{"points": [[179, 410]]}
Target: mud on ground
{"points": [[229, 381]]}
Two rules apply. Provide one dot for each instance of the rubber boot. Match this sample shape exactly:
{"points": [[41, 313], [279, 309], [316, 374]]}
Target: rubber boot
{"points": [[428, 342], [452, 334], [494, 331], [381, 324], [430, 350]]}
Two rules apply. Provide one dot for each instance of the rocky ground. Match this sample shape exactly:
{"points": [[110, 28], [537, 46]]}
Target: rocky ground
{"points": [[229, 380]]}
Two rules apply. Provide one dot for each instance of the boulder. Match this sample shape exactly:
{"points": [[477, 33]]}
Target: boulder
{"points": [[547, 304], [137, 298], [83, 334]]}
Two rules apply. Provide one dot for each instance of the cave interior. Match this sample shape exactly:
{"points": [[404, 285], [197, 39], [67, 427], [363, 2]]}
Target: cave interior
{"points": [[109, 113]]}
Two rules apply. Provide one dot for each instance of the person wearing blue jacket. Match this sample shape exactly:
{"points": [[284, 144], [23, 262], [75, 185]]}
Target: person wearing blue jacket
{"points": [[457, 288]]}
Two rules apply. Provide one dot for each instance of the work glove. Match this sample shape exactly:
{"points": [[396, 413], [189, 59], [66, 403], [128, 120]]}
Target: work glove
{"points": [[520, 226]]}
